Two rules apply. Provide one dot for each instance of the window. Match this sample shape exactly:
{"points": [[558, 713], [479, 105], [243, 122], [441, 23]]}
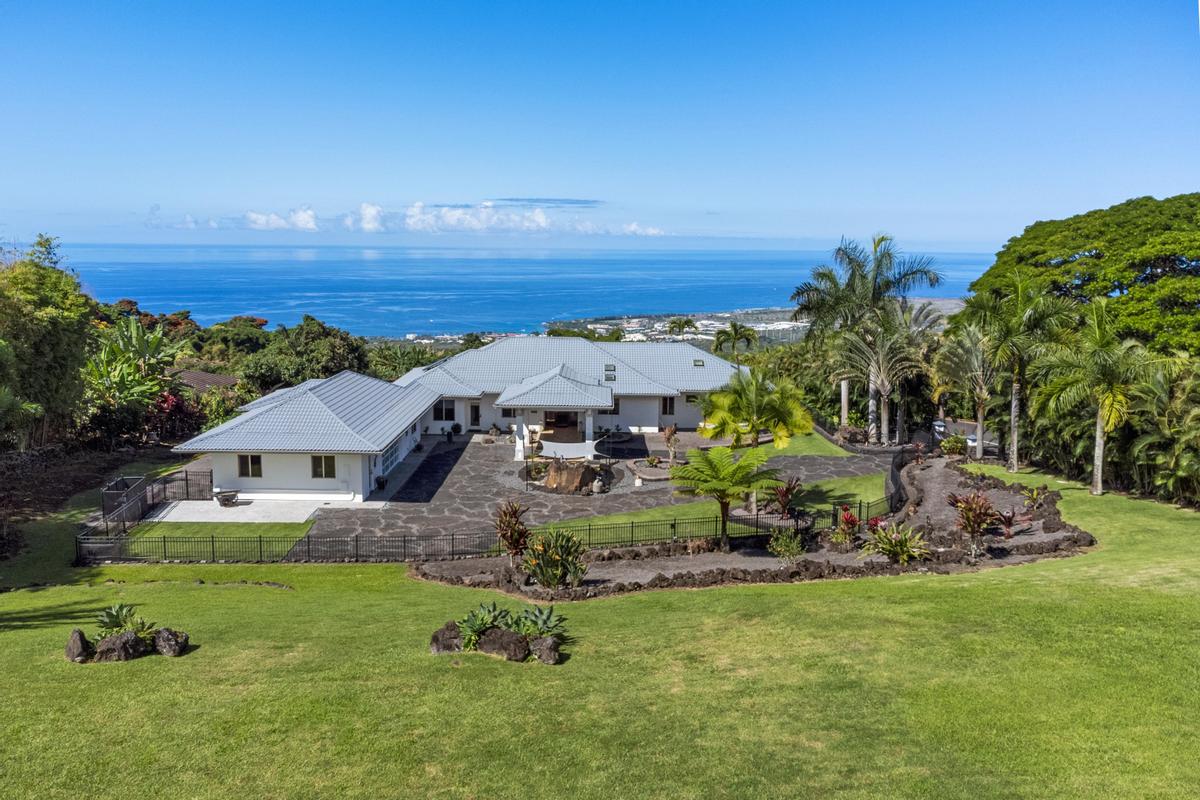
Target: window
{"points": [[697, 362], [443, 411], [391, 456], [611, 412], [668, 406], [691, 399], [324, 466], [610, 367], [510, 413], [610, 376], [249, 466]]}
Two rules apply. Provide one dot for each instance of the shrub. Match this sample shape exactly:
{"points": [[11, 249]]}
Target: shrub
{"points": [[874, 524], [899, 543], [456, 429], [1007, 520], [511, 529], [538, 470], [787, 545], [119, 618], [781, 497], [473, 625], [554, 559], [954, 445], [847, 527], [652, 461], [975, 514], [1035, 496], [539, 621]]}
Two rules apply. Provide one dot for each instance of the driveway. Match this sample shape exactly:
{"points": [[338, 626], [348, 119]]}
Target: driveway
{"points": [[459, 485]]}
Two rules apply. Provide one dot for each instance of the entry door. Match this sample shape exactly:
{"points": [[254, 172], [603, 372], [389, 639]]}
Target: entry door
{"points": [[474, 415]]}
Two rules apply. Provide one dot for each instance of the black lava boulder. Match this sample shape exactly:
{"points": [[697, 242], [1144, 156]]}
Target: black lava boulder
{"points": [[169, 642], [545, 649], [79, 649], [446, 639], [501, 642], [121, 647]]}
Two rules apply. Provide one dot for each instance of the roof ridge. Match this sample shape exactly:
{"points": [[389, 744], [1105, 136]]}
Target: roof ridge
{"points": [[601, 346], [333, 413]]}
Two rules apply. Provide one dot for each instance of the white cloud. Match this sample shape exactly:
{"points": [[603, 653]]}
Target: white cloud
{"points": [[298, 219], [370, 218], [637, 229], [481, 218]]}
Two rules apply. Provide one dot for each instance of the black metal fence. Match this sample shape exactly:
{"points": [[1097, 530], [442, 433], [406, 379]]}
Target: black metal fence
{"points": [[126, 501], [424, 547]]}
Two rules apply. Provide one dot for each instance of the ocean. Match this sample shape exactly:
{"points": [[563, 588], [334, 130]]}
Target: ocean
{"points": [[380, 291]]}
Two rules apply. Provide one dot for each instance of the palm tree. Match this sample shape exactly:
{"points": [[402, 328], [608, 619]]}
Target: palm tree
{"points": [[1020, 321], [677, 326], [1166, 408], [1095, 368], [920, 325], [750, 404], [839, 298], [962, 366], [881, 352], [731, 337], [716, 473]]}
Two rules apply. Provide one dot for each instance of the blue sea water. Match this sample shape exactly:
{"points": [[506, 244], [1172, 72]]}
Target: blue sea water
{"points": [[376, 291]]}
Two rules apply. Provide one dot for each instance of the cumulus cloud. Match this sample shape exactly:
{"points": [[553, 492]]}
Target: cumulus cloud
{"points": [[257, 221], [482, 218], [298, 219], [637, 229], [303, 219]]}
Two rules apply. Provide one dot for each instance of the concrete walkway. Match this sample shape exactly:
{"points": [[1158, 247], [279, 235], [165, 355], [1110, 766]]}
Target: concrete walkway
{"points": [[459, 485]]}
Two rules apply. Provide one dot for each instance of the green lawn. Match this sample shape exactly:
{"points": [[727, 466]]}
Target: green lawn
{"points": [[294, 530], [809, 444], [1067, 678]]}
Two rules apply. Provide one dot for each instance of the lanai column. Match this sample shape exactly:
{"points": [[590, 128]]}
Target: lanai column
{"points": [[587, 426]]}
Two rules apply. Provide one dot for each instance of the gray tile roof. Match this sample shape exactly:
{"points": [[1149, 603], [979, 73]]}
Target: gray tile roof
{"points": [[558, 387], [637, 368], [348, 413]]}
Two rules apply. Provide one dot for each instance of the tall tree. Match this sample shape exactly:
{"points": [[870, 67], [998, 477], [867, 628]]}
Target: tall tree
{"points": [[842, 296], [730, 337], [46, 320], [718, 474], [880, 352], [677, 326], [962, 367], [1094, 369], [1020, 322], [311, 349]]}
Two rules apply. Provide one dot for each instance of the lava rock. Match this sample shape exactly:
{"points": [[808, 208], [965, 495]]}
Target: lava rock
{"points": [[170, 643], [501, 642], [446, 639], [566, 477], [79, 649], [545, 649], [121, 647]]}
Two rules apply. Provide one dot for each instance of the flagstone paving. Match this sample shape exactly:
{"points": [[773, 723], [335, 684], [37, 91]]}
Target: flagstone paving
{"points": [[459, 484]]}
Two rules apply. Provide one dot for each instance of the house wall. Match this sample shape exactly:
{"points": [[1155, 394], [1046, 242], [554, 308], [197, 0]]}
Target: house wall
{"points": [[289, 476]]}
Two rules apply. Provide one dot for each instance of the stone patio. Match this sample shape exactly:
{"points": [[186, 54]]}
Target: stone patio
{"points": [[459, 485]]}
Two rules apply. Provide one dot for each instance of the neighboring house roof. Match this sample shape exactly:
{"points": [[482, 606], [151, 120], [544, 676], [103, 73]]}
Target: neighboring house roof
{"points": [[348, 413], [627, 369], [200, 381], [558, 387]]}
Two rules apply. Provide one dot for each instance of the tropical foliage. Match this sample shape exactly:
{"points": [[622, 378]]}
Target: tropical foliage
{"points": [[554, 558], [717, 473], [751, 404], [896, 542]]}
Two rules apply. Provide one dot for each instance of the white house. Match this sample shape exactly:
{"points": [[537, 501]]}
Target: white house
{"points": [[327, 439], [568, 392], [330, 438]]}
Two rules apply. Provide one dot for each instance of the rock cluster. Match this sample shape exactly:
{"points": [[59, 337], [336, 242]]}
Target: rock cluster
{"points": [[502, 642], [124, 646], [570, 477]]}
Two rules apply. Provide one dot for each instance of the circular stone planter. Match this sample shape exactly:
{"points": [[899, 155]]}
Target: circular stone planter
{"points": [[646, 472]]}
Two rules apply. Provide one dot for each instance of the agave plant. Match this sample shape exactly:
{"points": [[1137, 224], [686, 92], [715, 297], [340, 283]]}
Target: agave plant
{"points": [[899, 543], [119, 618], [540, 621], [473, 625]]}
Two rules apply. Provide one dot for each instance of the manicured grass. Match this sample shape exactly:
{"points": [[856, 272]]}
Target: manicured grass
{"points": [[281, 530], [809, 444], [1066, 678]]}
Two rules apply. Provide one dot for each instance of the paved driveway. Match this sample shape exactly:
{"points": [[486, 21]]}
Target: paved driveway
{"points": [[459, 485]]}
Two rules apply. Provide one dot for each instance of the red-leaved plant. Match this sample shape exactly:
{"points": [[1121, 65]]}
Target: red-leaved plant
{"points": [[975, 515]]}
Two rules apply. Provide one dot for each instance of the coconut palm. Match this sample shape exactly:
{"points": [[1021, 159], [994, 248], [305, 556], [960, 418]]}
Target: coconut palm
{"points": [[1094, 369], [750, 404], [718, 474], [840, 297], [1020, 321], [962, 366], [881, 353], [677, 326], [731, 337]]}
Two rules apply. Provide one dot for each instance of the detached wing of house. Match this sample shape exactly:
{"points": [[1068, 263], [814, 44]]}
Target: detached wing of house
{"points": [[328, 437]]}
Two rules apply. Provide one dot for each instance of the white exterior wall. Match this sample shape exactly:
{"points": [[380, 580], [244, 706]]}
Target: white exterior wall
{"points": [[687, 415], [288, 476]]}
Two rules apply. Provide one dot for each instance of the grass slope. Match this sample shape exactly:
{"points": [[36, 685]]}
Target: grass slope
{"points": [[1067, 678]]}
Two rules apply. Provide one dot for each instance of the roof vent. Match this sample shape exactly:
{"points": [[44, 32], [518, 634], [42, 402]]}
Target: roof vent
{"points": [[610, 376], [610, 367], [697, 362]]}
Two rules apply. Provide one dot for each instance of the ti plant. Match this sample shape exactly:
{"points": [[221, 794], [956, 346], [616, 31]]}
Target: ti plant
{"points": [[847, 527], [781, 497], [975, 515], [511, 529]]}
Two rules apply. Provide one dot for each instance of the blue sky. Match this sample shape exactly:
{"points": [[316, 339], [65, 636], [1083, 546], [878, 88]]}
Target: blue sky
{"points": [[951, 125]]}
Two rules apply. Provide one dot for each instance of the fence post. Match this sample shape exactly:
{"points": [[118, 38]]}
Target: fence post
{"points": [[589, 533], [674, 529], [260, 550], [356, 547], [631, 532], [451, 542], [164, 545], [308, 547], [212, 541]]}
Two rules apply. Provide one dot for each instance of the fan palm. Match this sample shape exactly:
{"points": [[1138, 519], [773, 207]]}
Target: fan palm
{"points": [[881, 352], [1167, 411], [963, 367], [841, 297], [1097, 369], [750, 404], [731, 337], [1020, 321], [718, 474]]}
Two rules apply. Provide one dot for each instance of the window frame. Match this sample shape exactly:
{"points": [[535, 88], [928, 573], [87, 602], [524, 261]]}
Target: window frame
{"points": [[668, 406], [611, 412], [442, 408], [325, 460], [252, 460]]}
